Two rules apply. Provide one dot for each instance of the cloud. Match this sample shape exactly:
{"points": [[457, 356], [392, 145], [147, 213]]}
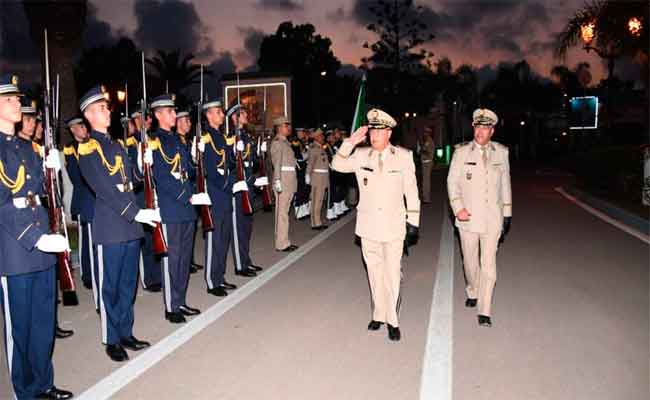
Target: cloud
{"points": [[252, 41], [336, 16], [282, 5], [170, 25], [504, 43], [97, 33]]}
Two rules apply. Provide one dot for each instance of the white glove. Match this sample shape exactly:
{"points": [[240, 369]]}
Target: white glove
{"points": [[193, 149], [263, 147], [176, 175], [53, 161], [240, 186], [277, 186], [261, 181], [148, 216], [240, 145], [148, 158], [52, 243], [307, 179], [200, 199]]}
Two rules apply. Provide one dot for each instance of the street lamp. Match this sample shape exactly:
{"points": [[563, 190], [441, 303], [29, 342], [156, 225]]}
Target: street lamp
{"points": [[634, 26], [121, 95], [323, 73]]}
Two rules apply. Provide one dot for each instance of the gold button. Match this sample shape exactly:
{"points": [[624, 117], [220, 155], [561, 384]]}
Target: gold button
{"points": [[29, 176], [38, 224]]}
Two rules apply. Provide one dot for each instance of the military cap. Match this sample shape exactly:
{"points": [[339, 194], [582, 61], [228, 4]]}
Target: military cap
{"points": [[483, 116], [94, 95], [233, 110], [74, 121], [281, 120], [9, 85], [182, 114], [27, 105], [318, 131], [212, 104], [165, 100], [379, 119]]}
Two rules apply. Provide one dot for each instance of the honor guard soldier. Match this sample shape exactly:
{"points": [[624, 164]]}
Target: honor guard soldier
{"points": [[480, 197], [386, 176], [116, 226], [172, 170], [218, 153], [284, 182], [82, 206], [317, 176], [242, 224], [27, 126], [150, 269], [426, 157], [28, 268], [301, 152]]}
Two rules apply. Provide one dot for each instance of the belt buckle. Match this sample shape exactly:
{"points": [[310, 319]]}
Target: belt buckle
{"points": [[31, 199]]}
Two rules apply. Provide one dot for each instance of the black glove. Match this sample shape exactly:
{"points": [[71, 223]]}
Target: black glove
{"points": [[507, 221], [412, 234]]}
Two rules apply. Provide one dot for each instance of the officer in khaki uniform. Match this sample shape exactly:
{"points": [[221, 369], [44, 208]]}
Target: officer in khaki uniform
{"points": [[479, 193], [317, 176], [386, 175], [284, 182], [427, 164]]}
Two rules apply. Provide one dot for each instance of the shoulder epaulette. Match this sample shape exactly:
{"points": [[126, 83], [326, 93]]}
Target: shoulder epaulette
{"points": [[88, 147], [69, 151], [130, 141], [37, 148], [154, 144]]}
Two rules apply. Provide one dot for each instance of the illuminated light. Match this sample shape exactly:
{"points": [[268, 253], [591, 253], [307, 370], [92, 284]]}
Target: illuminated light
{"points": [[563, 133], [107, 96], [588, 32], [439, 153], [121, 95], [323, 73], [522, 123], [634, 25], [415, 115], [406, 115], [566, 95]]}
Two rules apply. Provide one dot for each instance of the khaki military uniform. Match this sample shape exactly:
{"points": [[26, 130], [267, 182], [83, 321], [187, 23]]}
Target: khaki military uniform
{"points": [[427, 166], [480, 184], [384, 179], [284, 170], [318, 172]]}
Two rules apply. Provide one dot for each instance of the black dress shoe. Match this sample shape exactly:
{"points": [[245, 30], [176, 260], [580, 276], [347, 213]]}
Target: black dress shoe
{"points": [[197, 266], [374, 325], [255, 268], [289, 248], [62, 333], [188, 311], [218, 291], [175, 317], [318, 228], [246, 272], [55, 394], [228, 286], [155, 288], [394, 333], [193, 269], [88, 285], [470, 303], [134, 344], [484, 320], [116, 352]]}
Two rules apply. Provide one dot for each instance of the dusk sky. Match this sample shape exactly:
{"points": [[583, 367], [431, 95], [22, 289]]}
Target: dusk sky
{"points": [[228, 33]]}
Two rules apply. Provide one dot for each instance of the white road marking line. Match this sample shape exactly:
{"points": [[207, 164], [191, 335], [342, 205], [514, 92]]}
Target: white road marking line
{"points": [[436, 381], [604, 217], [121, 377]]}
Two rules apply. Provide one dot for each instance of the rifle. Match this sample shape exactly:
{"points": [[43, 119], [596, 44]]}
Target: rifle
{"points": [[54, 201], [266, 189], [150, 197], [206, 216], [126, 113], [247, 208]]}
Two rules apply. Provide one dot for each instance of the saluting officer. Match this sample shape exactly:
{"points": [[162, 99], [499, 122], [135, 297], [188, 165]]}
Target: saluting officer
{"points": [[150, 270], [284, 182], [28, 267], [116, 230], [317, 175], [242, 224], [82, 206], [386, 176], [172, 170], [479, 191], [217, 149]]}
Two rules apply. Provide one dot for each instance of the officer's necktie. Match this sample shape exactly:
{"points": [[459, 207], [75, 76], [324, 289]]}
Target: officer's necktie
{"points": [[381, 162], [484, 155]]}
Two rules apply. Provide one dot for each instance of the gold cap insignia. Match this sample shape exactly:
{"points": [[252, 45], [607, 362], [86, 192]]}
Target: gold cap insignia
{"points": [[34, 103], [14, 80], [102, 88]]}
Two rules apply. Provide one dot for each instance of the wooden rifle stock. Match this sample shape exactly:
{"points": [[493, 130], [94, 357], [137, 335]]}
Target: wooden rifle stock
{"points": [[159, 244], [206, 216], [247, 208], [266, 189]]}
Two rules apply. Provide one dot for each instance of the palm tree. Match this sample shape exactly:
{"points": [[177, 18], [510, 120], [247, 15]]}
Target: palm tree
{"points": [[175, 72]]}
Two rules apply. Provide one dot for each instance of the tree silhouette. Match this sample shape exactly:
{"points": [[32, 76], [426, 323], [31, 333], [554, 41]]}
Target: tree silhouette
{"points": [[174, 71]]}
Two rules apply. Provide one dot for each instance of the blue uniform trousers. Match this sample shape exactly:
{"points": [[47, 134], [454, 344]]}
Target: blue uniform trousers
{"points": [[176, 265], [118, 277], [150, 271], [28, 303], [242, 230], [216, 247]]}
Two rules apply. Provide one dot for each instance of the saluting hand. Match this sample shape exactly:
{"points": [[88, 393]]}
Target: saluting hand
{"points": [[358, 136]]}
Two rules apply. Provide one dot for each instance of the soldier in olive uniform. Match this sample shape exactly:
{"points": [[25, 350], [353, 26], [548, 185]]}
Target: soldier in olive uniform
{"points": [[480, 196], [284, 182], [317, 176], [386, 176]]}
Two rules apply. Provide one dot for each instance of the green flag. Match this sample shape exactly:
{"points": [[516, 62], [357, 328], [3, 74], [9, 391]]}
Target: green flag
{"points": [[360, 111]]}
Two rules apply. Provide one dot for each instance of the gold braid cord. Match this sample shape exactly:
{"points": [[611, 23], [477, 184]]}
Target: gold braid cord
{"points": [[93, 145], [13, 185], [175, 162], [207, 139]]}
